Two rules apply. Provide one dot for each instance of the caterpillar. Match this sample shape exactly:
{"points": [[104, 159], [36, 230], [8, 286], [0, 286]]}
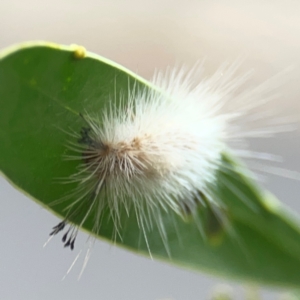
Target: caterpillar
{"points": [[158, 150]]}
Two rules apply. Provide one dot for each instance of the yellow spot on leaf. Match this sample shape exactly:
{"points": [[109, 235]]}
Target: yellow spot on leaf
{"points": [[79, 51]]}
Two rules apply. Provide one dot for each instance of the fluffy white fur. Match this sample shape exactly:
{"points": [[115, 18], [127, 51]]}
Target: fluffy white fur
{"points": [[159, 149]]}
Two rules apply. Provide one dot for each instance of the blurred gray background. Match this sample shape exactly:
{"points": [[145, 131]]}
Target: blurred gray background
{"points": [[143, 36]]}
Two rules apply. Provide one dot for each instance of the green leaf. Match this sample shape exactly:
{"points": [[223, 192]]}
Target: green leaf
{"points": [[43, 90]]}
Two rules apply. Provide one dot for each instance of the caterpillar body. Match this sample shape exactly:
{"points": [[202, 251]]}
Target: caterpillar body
{"points": [[159, 150]]}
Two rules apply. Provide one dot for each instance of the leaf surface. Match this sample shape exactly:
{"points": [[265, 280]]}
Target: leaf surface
{"points": [[43, 90]]}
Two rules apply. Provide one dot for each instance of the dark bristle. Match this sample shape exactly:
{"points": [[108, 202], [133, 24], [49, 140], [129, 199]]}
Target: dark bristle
{"points": [[65, 236], [68, 243], [72, 243], [59, 227]]}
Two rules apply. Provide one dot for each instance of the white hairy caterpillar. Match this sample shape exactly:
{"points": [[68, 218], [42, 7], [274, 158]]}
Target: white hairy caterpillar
{"points": [[157, 151]]}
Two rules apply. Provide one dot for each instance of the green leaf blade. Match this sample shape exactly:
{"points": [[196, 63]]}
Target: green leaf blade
{"points": [[43, 91]]}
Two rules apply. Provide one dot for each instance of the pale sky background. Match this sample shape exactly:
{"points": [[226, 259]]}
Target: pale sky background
{"points": [[143, 36]]}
